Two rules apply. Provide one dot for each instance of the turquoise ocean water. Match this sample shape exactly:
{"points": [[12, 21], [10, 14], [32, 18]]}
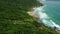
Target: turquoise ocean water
{"points": [[52, 9]]}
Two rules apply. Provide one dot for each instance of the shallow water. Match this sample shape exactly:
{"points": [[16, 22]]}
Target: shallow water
{"points": [[49, 13], [52, 9]]}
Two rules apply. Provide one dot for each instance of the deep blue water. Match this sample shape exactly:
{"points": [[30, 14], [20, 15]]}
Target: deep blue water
{"points": [[52, 9]]}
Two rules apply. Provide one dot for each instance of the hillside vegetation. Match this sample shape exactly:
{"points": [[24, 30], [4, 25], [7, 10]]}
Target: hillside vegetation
{"points": [[15, 20]]}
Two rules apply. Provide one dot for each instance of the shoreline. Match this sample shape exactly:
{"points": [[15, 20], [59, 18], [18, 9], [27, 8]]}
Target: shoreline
{"points": [[31, 13]]}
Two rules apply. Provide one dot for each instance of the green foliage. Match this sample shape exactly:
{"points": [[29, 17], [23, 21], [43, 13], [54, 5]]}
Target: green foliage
{"points": [[15, 20]]}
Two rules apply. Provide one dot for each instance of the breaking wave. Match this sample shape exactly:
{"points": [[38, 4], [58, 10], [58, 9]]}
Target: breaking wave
{"points": [[39, 12]]}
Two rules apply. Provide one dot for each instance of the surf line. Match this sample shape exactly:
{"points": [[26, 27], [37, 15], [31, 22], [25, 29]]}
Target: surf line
{"points": [[44, 17], [38, 11]]}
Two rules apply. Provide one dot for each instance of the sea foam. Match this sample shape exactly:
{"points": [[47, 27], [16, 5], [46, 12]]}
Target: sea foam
{"points": [[39, 12]]}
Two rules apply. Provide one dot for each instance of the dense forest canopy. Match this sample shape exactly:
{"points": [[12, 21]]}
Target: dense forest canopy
{"points": [[11, 9], [15, 20]]}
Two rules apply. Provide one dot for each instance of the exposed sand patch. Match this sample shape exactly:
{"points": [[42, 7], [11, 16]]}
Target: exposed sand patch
{"points": [[31, 13]]}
